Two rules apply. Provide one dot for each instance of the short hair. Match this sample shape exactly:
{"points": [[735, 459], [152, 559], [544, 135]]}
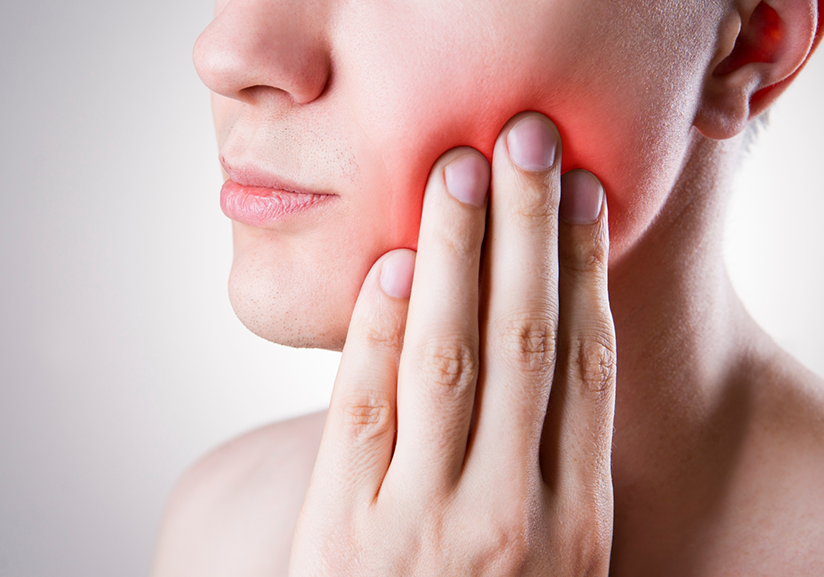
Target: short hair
{"points": [[754, 130]]}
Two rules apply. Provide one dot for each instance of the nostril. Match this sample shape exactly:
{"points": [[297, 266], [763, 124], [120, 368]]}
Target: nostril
{"points": [[313, 84]]}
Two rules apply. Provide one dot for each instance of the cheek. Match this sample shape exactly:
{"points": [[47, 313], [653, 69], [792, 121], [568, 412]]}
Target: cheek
{"points": [[416, 101], [428, 116], [219, 6]]}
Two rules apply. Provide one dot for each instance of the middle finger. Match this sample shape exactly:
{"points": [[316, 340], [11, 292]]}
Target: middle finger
{"points": [[519, 280]]}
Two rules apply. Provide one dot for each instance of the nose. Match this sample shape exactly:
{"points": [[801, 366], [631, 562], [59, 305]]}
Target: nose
{"points": [[276, 44]]}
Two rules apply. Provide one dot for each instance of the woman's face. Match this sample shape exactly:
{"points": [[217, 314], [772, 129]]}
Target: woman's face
{"points": [[358, 98]]}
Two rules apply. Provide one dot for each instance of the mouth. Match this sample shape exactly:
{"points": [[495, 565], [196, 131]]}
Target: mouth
{"points": [[256, 198]]}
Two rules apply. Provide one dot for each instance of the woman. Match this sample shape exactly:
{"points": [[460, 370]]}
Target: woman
{"points": [[471, 425]]}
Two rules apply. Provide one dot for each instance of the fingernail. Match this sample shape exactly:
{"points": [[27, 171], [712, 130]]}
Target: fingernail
{"points": [[532, 144], [467, 178], [396, 274], [581, 197]]}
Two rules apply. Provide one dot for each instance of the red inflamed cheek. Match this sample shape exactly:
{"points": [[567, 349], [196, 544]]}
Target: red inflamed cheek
{"points": [[407, 168]]}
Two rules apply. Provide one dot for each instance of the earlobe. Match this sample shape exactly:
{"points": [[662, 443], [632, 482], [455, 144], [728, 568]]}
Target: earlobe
{"points": [[761, 46]]}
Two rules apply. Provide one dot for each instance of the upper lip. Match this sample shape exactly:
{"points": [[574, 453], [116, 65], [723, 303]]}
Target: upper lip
{"points": [[248, 175]]}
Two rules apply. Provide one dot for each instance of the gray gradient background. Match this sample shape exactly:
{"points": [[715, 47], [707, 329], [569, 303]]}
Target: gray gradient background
{"points": [[120, 359]]}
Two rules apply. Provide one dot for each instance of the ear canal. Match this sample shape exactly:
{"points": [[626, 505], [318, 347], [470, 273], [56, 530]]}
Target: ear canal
{"points": [[771, 47], [759, 41]]}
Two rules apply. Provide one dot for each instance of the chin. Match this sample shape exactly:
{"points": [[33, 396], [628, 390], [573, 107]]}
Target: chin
{"points": [[301, 308]]}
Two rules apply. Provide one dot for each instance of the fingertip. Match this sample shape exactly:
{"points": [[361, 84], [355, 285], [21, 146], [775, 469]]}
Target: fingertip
{"points": [[397, 271], [533, 142], [467, 178], [582, 197]]}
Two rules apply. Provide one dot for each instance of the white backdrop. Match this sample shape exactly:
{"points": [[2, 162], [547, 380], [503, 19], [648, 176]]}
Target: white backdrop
{"points": [[120, 358]]}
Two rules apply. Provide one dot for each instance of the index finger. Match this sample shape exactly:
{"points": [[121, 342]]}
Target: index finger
{"points": [[356, 448], [439, 363]]}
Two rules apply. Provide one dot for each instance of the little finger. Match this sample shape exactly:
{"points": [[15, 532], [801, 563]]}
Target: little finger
{"points": [[577, 438]]}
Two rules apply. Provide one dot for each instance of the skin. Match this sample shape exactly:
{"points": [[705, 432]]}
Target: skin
{"points": [[718, 441], [345, 135]]}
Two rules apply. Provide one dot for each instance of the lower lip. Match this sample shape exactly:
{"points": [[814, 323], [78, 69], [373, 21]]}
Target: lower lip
{"points": [[257, 206]]}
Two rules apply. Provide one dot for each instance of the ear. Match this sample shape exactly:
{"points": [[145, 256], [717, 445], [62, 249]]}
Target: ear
{"points": [[762, 45]]}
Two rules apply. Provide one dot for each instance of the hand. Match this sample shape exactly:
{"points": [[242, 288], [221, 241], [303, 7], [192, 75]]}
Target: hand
{"points": [[444, 452]]}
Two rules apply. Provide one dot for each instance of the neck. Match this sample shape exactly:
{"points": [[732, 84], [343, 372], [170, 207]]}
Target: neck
{"points": [[684, 341]]}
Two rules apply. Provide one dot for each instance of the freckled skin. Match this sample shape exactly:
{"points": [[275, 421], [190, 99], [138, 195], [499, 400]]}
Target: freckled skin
{"points": [[385, 88]]}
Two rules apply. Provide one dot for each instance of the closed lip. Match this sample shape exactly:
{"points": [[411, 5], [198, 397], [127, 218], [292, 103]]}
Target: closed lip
{"points": [[253, 176], [261, 199]]}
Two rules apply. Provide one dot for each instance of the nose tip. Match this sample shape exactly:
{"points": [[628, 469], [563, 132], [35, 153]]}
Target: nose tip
{"points": [[251, 45], [216, 67]]}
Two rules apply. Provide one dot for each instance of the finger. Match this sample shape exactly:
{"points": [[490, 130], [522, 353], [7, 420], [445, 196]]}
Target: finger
{"points": [[360, 428], [578, 432], [520, 287], [438, 368]]}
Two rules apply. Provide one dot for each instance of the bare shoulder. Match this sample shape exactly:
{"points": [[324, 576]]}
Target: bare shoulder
{"points": [[778, 498], [789, 413], [233, 512]]}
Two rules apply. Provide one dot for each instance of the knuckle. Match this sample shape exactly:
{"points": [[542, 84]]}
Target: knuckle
{"points": [[591, 552], [383, 331], [509, 549], [528, 341], [449, 367], [595, 359], [534, 205], [586, 255], [368, 414], [588, 537], [458, 237], [511, 527], [594, 533]]}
